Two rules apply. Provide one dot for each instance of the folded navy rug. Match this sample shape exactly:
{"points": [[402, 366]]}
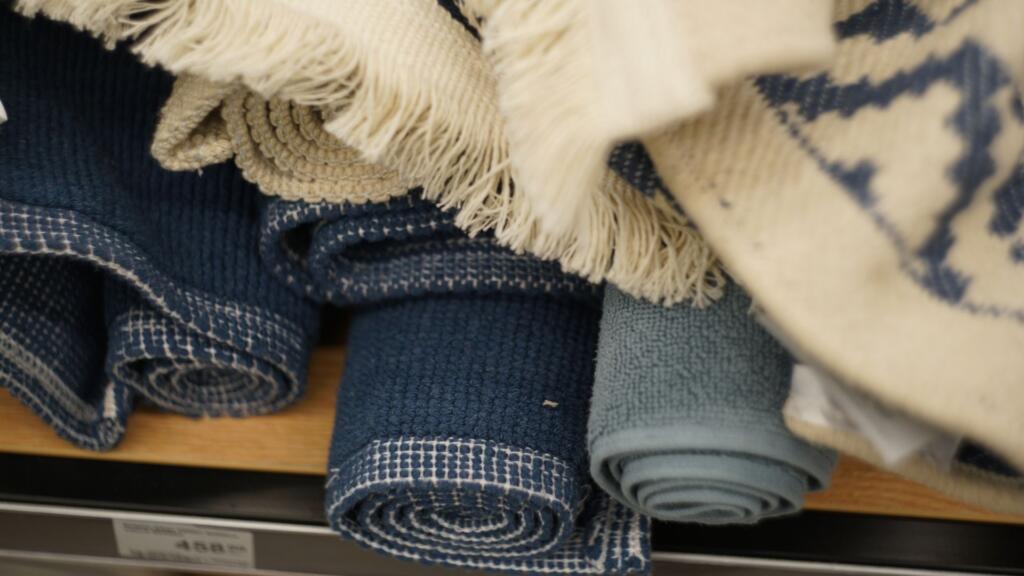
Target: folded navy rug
{"points": [[148, 282], [350, 254]]}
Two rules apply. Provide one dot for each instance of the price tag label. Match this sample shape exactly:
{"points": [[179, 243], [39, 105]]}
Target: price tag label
{"points": [[166, 542]]}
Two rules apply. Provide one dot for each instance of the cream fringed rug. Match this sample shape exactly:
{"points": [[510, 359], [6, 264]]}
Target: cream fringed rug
{"points": [[407, 86], [577, 77], [876, 212]]}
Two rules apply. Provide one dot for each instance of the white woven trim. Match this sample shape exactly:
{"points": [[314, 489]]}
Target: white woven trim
{"points": [[556, 558], [380, 452], [109, 429], [57, 240], [447, 543]]}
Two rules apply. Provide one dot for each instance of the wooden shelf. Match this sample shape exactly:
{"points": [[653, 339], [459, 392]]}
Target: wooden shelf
{"points": [[296, 441]]}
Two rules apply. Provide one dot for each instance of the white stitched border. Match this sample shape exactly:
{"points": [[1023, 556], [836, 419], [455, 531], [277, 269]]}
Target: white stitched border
{"points": [[227, 325], [333, 271], [389, 481]]}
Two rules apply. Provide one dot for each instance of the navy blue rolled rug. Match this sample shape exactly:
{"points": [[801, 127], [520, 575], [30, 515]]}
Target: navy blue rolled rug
{"points": [[459, 438], [151, 280]]}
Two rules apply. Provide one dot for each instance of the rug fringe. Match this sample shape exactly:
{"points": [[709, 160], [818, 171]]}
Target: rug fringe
{"points": [[102, 19], [539, 52]]}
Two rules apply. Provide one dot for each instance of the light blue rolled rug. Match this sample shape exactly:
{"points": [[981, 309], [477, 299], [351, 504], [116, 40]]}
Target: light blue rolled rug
{"points": [[686, 415]]}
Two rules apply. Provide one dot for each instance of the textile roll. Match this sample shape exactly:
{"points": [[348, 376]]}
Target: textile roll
{"points": [[686, 418], [463, 401], [459, 434], [355, 254], [831, 414], [183, 311]]}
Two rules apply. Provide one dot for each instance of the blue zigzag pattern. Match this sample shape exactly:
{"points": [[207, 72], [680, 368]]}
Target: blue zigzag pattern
{"points": [[971, 70]]}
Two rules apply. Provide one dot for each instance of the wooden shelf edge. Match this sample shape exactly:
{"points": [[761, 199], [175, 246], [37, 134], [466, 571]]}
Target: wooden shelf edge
{"points": [[296, 441]]}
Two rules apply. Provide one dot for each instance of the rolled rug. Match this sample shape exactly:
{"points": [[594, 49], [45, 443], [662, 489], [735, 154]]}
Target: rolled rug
{"points": [[459, 433], [353, 254], [462, 324], [194, 320], [686, 418]]}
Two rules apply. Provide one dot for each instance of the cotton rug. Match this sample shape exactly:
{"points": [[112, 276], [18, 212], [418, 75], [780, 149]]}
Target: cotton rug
{"points": [[686, 419], [148, 283], [459, 438]]}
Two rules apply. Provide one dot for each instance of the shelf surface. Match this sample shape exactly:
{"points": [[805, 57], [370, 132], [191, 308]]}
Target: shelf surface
{"points": [[296, 441]]}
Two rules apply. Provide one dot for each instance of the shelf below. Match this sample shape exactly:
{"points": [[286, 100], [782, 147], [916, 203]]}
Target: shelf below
{"points": [[296, 441]]}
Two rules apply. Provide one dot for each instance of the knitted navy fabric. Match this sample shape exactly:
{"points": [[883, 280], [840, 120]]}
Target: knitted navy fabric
{"points": [[459, 438], [153, 276], [632, 163], [52, 347], [355, 254], [686, 420]]}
